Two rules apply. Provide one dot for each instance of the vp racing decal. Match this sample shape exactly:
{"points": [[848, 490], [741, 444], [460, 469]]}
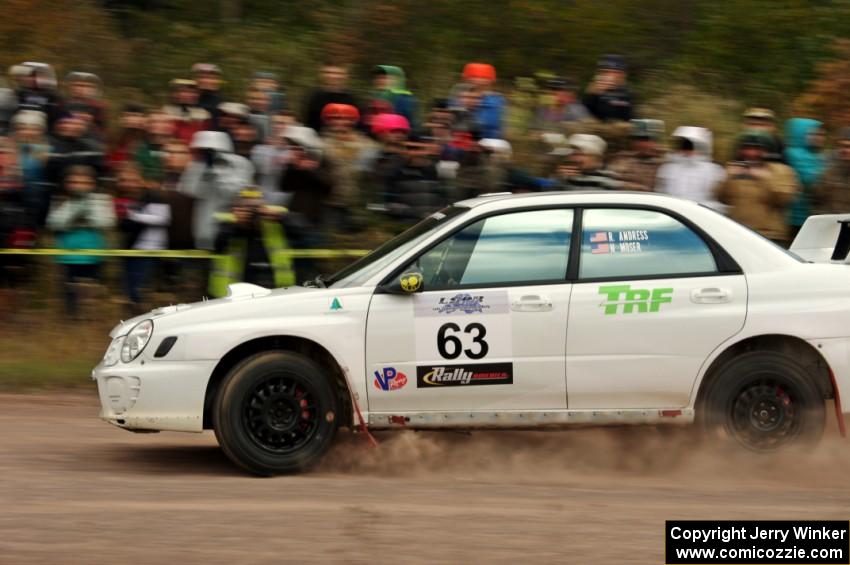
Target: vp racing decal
{"points": [[389, 379]]}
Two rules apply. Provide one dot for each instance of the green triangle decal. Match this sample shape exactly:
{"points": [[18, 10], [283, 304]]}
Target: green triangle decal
{"points": [[336, 305]]}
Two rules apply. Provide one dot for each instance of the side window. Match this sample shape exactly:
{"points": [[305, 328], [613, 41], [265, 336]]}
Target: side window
{"points": [[519, 247], [630, 243]]}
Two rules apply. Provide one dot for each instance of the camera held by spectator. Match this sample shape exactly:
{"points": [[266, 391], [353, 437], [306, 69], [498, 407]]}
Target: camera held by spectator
{"points": [[213, 178], [252, 245]]}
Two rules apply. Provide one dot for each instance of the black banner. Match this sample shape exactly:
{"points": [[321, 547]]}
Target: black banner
{"points": [[693, 542], [465, 375]]}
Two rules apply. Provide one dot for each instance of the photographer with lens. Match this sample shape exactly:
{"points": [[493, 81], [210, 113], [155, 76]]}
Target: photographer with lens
{"points": [[759, 192], [251, 246], [307, 184], [689, 171], [213, 178]]}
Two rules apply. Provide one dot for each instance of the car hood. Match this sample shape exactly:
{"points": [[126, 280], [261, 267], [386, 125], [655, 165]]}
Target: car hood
{"points": [[236, 293]]}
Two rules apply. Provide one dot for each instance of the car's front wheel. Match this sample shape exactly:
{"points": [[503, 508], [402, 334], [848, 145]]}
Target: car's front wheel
{"points": [[275, 413], [765, 401]]}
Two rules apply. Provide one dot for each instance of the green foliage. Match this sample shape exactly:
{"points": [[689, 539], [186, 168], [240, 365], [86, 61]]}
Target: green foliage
{"points": [[757, 51], [761, 50], [69, 35]]}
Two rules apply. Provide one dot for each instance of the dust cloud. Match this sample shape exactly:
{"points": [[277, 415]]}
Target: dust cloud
{"points": [[666, 454]]}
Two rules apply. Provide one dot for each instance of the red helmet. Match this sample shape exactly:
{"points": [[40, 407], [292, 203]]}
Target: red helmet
{"points": [[479, 70], [340, 111]]}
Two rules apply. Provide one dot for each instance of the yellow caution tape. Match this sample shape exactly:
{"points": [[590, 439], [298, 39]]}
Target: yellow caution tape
{"points": [[182, 254]]}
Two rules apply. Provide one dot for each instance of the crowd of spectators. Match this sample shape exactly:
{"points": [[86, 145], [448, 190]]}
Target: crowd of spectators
{"points": [[251, 178]]}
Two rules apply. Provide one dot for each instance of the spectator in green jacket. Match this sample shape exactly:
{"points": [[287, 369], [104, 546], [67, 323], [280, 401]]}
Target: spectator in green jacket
{"points": [[149, 154], [390, 84]]}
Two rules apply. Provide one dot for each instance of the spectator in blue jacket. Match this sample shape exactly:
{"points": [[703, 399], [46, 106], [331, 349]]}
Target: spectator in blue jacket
{"points": [[490, 109], [805, 138]]}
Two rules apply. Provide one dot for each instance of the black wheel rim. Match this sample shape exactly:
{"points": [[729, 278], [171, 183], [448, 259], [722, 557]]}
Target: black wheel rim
{"points": [[765, 415], [280, 414]]}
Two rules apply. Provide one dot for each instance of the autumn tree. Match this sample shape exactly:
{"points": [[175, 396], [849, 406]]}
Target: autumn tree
{"points": [[825, 97]]}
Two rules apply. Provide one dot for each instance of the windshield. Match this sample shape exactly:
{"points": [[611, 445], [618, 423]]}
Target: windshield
{"points": [[365, 268]]}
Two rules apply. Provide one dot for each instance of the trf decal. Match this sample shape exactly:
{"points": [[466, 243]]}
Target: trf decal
{"points": [[640, 300]]}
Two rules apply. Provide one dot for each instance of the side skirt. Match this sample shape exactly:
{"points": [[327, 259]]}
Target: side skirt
{"points": [[528, 419]]}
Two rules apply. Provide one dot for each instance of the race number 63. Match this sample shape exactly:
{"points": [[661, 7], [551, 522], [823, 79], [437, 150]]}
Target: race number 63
{"points": [[450, 346]]}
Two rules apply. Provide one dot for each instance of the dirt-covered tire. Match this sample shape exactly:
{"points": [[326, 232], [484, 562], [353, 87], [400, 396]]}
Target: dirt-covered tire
{"points": [[275, 413], [765, 401]]}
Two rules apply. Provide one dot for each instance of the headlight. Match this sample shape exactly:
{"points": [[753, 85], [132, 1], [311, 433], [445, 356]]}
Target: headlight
{"points": [[113, 354], [136, 340]]}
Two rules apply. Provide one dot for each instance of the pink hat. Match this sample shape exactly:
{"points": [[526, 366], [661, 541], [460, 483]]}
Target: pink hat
{"points": [[383, 123]]}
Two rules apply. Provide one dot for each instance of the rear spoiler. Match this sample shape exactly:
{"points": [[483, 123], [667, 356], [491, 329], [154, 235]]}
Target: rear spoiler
{"points": [[824, 239]]}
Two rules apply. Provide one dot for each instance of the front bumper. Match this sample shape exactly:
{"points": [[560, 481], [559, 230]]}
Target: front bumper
{"points": [[154, 395]]}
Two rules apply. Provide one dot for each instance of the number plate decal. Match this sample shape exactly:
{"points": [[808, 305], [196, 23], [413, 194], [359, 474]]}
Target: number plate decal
{"points": [[462, 326]]}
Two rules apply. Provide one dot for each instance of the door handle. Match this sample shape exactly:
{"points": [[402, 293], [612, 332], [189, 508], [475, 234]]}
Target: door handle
{"points": [[712, 295], [531, 303]]}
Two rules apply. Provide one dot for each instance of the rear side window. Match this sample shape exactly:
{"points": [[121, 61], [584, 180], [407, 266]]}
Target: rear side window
{"points": [[634, 243]]}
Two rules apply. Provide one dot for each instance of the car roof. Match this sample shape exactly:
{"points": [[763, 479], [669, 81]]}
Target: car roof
{"points": [[509, 200]]}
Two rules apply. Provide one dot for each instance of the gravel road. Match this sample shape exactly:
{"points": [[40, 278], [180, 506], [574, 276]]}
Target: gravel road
{"points": [[76, 490]]}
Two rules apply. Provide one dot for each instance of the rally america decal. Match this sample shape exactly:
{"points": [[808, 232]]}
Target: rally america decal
{"points": [[464, 375]]}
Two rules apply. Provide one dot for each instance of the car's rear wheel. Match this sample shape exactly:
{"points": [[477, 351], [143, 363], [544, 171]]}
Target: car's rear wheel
{"points": [[765, 401], [275, 414]]}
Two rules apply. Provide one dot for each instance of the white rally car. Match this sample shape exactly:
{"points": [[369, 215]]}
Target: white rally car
{"points": [[525, 311]]}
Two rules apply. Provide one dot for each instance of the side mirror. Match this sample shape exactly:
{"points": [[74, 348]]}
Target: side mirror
{"points": [[409, 282]]}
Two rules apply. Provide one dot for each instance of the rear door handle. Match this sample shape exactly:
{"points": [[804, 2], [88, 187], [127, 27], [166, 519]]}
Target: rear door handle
{"points": [[531, 303], [711, 295]]}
